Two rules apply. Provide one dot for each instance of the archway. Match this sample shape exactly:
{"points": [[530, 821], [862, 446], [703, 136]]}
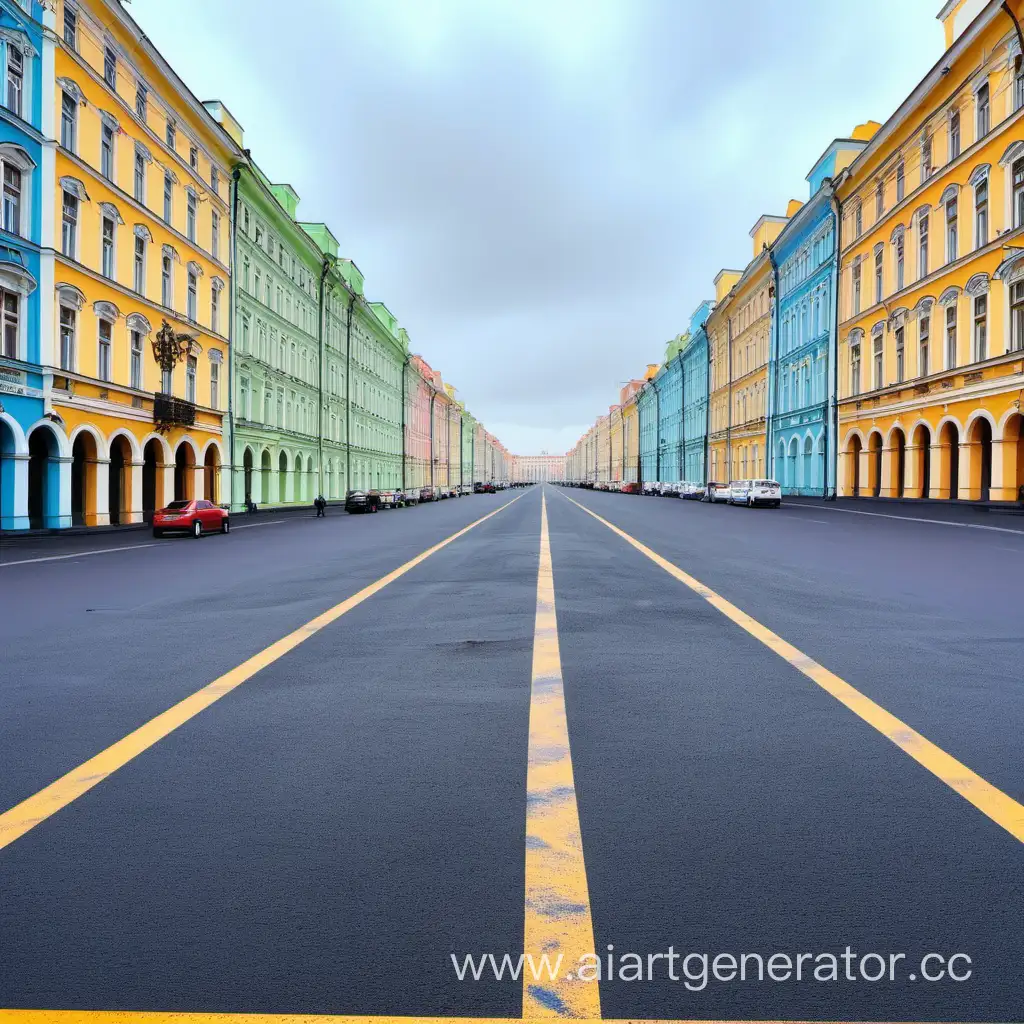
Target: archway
{"points": [[794, 470], [329, 479], [211, 474], [781, 468], [120, 480], [184, 472], [11, 516], [265, 477], [153, 496], [980, 441], [282, 477], [84, 457], [1012, 452], [853, 468], [43, 479], [949, 469], [875, 464], [897, 462], [921, 441], [247, 475], [808, 473]]}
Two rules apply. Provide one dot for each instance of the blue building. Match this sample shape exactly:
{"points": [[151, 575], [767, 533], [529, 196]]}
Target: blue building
{"points": [[801, 370], [669, 381], [25, 190], [647, 410], [694, 356]]}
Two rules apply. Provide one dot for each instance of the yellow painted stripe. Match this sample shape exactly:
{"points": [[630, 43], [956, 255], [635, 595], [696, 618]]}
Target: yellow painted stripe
{"points": [[558, 921], [992, 802], [15, 822]]}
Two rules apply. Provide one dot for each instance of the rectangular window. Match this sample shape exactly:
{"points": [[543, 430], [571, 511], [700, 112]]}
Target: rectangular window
{"points": [[954, 135], [140, 176], [214, 179], [10, 323], [107, 256], [858, 220], [214, 385], [879, 275], [166, 284], [980, 328], [69, 225], [110, 67], [12, 199], [900, 263], [1018, 193], [880, 200], [190, 379], [139, 279], [136, 365], [981, 213], [926, 158], [922, 245], [67, 337], [1018, 83], [172, 134], [901, 182], [167, 382], [214, 233], [951, 230], [70, 25], [193, 157], [191, 302], [1017, 316], [141, 102], [950, 337], [878, 362], [243, 404], [190, 216], [15, 79], [107, 152], [984, 112], [68, 121], [214, 308], [103, 362], [900, 355], [924, 337], [855, 369], [168, 198], [856, 287]]}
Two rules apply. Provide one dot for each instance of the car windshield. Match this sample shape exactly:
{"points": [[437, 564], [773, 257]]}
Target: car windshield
{"points": [[174, 505], [766, 483]]}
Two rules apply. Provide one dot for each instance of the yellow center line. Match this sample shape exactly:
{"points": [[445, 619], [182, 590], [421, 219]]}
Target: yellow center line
{"points": [[186, 1017], [992, 802], [24, 816], [558, 922]]}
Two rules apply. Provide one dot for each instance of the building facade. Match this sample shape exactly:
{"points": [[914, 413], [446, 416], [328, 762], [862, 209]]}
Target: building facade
{"points": [[695, 396], [535, 469], [670, 412], [719, 332]]}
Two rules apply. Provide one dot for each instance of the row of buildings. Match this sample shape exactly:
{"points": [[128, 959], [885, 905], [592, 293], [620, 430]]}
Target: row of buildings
{"points": [[874, 343], [170, 327]]}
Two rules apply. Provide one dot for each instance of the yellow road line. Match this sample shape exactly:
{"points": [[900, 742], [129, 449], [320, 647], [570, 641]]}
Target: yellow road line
{"points": [[185, 1017], [992, 802], [558, 922], [15, 822]]}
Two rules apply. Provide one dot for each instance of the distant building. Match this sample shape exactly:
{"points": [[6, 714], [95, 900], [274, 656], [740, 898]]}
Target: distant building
{"points": [[537, 468]]}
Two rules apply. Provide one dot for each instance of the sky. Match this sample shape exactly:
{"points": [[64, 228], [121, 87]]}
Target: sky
{"points": [[542, 191]]}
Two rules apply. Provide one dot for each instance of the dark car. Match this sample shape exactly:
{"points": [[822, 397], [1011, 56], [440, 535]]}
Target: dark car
{"points": [[478, 488], [426, 494], [362, 501]]}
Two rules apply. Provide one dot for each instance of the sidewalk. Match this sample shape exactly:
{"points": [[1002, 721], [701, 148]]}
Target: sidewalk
{"points": [[923, 508]]}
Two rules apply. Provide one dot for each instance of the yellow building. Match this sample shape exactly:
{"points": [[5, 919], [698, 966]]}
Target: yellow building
{"points": [[603, 449], [931, 338], [719, 381], [631, 433], [615, 441], [142, 232]]}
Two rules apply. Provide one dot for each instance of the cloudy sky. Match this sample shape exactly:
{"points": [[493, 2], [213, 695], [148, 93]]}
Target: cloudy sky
{"points": [[542, 191]]}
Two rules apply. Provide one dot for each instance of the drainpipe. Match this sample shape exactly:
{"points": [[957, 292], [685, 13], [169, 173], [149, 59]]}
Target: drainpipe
{"points": [[348, 394], [236, 173], [831, 437], [773, 376], [324, 270]]}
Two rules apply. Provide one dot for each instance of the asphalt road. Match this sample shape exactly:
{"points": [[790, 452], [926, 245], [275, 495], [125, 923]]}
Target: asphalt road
{"points": [[346, 807]]}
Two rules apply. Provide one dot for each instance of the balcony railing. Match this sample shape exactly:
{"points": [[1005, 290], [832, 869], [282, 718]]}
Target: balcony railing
{"points": [[169, 411]]}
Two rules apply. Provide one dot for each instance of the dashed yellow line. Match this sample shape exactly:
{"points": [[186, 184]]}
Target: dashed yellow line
{"points": [[15, 822], [992, 802], [558, 921]]}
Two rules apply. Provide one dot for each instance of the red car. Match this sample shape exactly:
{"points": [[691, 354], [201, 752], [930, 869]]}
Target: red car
{"points": [[196, 517]]}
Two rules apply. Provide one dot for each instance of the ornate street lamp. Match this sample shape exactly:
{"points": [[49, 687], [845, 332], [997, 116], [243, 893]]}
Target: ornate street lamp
{"points": [[169, 348]]}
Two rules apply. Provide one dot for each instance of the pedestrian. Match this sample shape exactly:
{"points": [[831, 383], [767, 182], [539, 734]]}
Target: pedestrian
{"points": [[321, 506]]}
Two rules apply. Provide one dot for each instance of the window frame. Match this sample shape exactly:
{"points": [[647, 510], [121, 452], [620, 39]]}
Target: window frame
{"points": [[104, 349]]}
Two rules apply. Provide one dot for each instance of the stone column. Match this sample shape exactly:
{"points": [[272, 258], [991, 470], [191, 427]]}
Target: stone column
{"points": [[14, 499], [864, 461], [965, 452], [939, 487], [886, 489], [135, 513], [165, 473], [999, 490], [101, 506], [912, 470], [198, 480], [58, 511]]}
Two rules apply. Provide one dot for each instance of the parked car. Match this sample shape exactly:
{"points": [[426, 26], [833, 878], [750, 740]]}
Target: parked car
{"points": [[426, 494], [756, 492], [362, 501], [411, 498], [688, 490], [631, 488], [478, 488], [489, 488], [194, 516], [717, 492], [389, 499], [465, 489], [453, 491]]}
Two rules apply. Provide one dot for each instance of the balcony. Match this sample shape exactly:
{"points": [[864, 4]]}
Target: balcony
{"points": [[169, 411]]}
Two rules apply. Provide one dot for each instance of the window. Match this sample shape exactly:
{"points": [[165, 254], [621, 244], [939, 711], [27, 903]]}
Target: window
{"points": [[1018, 83], [951, 230], [901, 182], [1018, 193], [877, 376], [140, 175], [981, 213], [107, 248], [168, 198], [68, 121], [1017, 316], [214, 307], [924, 335], [193, 286], [172, 134], [167, 382], [950, 337], [980, 328], [214, 179], [141, 101], [190, 216], [922, 245], [103, 362], [856, 287], [193, 157], [900, 355], [900, 262], [69, 225], [67, 337], [855, 367], [954, 135], [190, 379], [107, 151], [70, 25], [858, 220], [136, 361], [139, 279], [110, 67], [926, 158], [879, 275], [15, 79], [984, 111], [215, 385], [11, 302], [880, 200], [166, 282], [214, 233], [12, 199]]}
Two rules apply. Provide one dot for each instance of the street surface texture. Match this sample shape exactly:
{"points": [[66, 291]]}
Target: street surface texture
{"points": [[291, 771]]}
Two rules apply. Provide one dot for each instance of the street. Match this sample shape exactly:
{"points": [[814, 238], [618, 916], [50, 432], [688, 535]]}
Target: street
{"points": [[306, 767]]}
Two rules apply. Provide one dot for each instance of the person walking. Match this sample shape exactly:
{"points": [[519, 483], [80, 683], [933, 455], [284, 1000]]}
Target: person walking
{"points": [[321, 506]]}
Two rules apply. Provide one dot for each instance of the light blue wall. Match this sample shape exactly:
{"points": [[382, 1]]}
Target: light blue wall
{"points": [[670, 422], [695, 396], [647, 412]]}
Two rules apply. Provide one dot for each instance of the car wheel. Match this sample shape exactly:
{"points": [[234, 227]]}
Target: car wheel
{"points": [[197, 529], [157, 532], [777, 504], [225, 526]]}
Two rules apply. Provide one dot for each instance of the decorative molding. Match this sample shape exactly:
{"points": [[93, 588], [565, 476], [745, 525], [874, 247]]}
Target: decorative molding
{"points": [[169, 250], [194, 268], [20, 39], [106, 310], [110, 121], [142, 231], [979, 174], [977, 285], [70, 296], [137, 322], [950, 296], [112, 211], [75, 187], [72, 88]]}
